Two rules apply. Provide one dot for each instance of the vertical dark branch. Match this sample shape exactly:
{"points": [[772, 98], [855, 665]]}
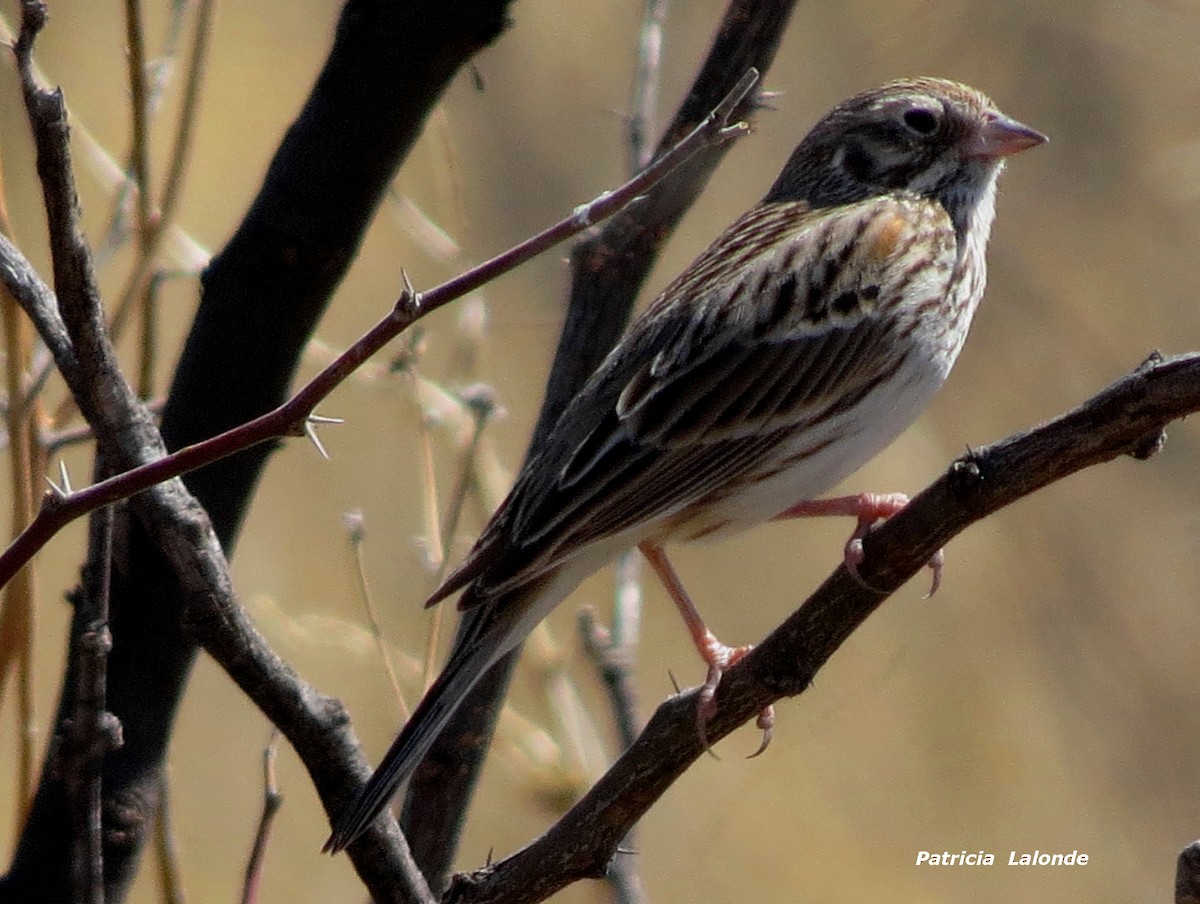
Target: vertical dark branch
{"points": [[261, 299], [93, 731], [607, 273], [263, 293], [608, 269]]}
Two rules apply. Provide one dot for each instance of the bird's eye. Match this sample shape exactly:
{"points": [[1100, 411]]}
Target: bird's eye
{"points": [[921, 121]]}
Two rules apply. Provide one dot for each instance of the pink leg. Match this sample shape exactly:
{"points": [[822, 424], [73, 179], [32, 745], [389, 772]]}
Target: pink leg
{"points": [[868, 508], [718, 656]]}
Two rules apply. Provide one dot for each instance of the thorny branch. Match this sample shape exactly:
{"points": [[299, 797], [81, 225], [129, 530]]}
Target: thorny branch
{"points": [[127, 439], [290, 418]]}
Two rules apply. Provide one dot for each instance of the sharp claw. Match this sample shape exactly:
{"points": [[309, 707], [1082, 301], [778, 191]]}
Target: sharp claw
{"points": [[765, 722], [706, 706], [853, 558], [937, 564], [854, 555], [766, 719], [706, 701]]}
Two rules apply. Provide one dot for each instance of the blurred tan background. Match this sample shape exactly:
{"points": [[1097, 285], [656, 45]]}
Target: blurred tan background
{"points": [[1041, 700]]}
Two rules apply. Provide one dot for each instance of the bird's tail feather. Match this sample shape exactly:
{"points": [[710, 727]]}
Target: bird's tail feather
{"points": [[468, 662]]}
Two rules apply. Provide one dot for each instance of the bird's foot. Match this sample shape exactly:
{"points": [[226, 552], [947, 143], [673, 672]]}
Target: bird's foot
{"points": [[869, 509], [719, 658]]}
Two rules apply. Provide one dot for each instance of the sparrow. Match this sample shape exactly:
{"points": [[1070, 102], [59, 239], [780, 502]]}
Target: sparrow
{"points": [[799, 345]]}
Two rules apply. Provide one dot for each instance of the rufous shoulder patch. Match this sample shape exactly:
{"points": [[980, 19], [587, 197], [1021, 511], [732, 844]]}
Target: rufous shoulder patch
{"points": [[887, 237]]}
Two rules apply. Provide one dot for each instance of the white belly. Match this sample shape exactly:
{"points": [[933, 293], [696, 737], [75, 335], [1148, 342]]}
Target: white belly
{"points": [[862, 434]]}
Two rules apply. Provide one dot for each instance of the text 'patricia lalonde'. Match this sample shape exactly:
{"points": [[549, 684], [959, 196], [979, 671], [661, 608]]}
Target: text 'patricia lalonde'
{"points": [[1015, 858]]}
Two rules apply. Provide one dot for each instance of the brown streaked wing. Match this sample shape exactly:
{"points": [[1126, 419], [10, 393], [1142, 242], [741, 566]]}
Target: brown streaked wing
{"points": [[697, 398], [644, 474]]}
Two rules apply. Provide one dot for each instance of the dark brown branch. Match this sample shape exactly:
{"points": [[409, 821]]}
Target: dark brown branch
{"points": [[1128, 418], [93, 731], [262, 298], [613, 653], [608, 270]]}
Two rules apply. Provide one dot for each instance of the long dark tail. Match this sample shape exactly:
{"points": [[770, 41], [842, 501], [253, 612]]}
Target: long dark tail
{"points": [[474, 652]]}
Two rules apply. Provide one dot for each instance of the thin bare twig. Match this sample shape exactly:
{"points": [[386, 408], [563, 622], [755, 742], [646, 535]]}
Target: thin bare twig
{"points": [[644, 108], [170, 875], [614, 651], [181, 150], [140, 175], [481, 401], [290, 418], [272, 801], [356, 531], [158, 73], [148, 338], [17, 612]]}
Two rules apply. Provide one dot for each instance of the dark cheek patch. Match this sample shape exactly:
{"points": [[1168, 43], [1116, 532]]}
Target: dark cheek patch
{"points": [[857, 162]]}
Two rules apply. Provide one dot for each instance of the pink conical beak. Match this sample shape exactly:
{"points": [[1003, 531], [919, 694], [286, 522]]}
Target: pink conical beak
{"points": [[1002, 137]]}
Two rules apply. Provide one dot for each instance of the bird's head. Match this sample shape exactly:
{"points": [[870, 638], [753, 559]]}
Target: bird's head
{"points": [[925, 136]]}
